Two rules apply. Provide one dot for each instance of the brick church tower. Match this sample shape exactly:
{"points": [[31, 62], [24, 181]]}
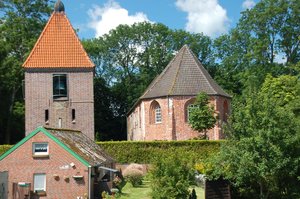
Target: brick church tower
{"points": [[59, 79]]}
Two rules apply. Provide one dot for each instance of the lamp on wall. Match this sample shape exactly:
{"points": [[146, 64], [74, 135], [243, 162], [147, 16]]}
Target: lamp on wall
{"points": [[72, 165]]}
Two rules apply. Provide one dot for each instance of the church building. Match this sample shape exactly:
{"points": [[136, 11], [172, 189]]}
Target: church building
{"points": [[59, 79], [161, 113]]}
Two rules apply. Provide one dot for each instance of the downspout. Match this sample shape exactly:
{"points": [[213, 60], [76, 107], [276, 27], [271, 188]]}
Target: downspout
{"points": [[90, 181]]}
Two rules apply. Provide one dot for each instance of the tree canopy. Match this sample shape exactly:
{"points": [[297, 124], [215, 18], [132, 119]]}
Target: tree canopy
{"points": [[201, 114], [262, 155], [20, 26]]}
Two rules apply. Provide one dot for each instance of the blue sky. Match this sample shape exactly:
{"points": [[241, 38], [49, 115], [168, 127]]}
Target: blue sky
{"points": [[94, 18]]}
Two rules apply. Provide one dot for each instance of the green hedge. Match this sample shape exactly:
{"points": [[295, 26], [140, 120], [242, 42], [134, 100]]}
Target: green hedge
{"points": [[4, 148], [146, 152]]}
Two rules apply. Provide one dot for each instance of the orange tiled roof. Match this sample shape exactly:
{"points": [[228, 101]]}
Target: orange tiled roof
{"points": [[58, 46]]}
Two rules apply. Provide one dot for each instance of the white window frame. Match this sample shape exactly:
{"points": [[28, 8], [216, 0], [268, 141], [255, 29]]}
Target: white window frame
{"points": [[39, 187], [39, 153], [157, 114]]}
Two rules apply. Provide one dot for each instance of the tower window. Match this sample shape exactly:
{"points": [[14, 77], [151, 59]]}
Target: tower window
{"points": [[60, 86], [73, 115], [46, 115]]}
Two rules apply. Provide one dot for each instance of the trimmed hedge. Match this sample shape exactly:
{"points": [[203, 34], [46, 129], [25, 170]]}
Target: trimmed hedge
{"points": [[4, 148], [146, 152]]}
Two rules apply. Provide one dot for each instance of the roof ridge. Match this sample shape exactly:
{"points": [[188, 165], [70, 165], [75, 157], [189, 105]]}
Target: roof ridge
{"points": [[39, 39], [177, 72], [207, 75], [157, 78], [211, 82], [78, 40]]}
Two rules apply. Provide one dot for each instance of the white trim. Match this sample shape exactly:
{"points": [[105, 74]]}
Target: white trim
{"points": [[39, 153], [34, 182]]}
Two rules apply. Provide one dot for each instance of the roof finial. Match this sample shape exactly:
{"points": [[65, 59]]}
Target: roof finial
{"points": [[59, 6]]}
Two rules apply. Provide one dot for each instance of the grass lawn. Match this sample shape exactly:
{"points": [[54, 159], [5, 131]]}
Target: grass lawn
{"points": [[143, 191]]}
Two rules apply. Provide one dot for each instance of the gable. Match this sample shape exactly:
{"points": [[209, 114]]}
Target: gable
{"points": [[50, 136]]}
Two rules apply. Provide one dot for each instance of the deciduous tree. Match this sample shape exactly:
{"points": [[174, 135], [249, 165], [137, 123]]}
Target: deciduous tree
{"points": [[201, 114], [21, 24], [262, 157]]}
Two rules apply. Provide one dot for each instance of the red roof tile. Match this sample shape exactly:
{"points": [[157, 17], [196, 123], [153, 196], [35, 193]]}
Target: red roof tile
{"points": [[58, 46]]}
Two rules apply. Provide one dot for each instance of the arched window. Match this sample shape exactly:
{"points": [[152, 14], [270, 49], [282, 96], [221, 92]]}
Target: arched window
{"points": [[155, 113], [189, 105]]}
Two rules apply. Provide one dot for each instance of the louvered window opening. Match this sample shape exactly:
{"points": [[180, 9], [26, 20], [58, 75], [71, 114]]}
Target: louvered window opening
{"points": [[60, 88]]}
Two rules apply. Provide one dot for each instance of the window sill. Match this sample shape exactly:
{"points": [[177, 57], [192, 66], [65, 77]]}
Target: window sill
{"points": [[41, 193], [60, 98], [40, 156]]}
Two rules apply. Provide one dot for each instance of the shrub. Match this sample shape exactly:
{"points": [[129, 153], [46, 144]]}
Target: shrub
{"points": [[4, 148], [134, 174], [119, 182], [145, 152], [171, 177]]}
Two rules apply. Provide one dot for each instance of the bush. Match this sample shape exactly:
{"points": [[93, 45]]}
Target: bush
{"points": [[171, 177], [4, 148], [134, 174], [119, 182]]}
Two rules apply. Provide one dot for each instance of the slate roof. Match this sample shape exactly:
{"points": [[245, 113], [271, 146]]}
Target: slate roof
{"points": [[58, 46], [82, 145], [183, 76]]}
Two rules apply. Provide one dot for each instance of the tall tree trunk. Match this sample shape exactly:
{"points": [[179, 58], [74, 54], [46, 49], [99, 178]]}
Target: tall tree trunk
{"points": [[9, 116]]}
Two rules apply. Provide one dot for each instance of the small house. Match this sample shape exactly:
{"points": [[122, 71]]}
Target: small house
{"points": [[55, 163]]}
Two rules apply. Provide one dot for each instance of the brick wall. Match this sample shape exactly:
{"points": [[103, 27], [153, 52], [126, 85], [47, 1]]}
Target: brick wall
{"points": [[174, 125], [21, 166], [39, 97]]}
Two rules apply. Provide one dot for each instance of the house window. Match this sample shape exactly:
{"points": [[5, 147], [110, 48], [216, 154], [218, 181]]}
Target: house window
{"points": [[40, 149], [60, 86], [39, 180]]}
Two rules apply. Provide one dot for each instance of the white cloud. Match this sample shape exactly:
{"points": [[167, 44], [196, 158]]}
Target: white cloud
{"points": [[205, 16], [108, 17], [248, 4]]}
